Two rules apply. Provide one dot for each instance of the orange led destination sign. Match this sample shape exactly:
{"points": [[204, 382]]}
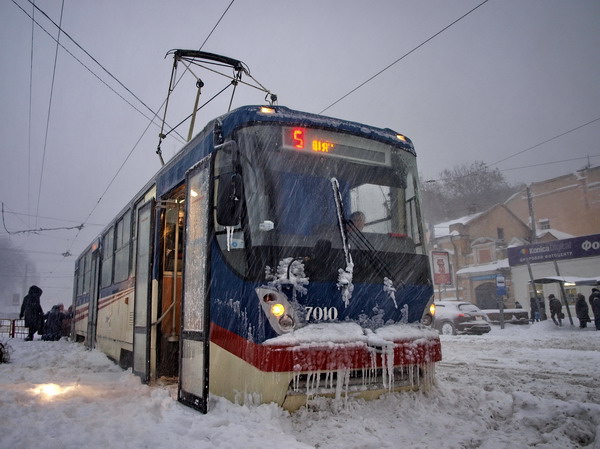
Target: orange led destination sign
{"points": [[332, 144], [299, 141]]}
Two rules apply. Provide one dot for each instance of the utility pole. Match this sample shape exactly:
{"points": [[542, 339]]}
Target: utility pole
{"points": [[531, 215], [25, 286]]}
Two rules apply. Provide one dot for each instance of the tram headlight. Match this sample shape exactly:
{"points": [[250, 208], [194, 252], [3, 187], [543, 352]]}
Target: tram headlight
{"points": [[286, 323], [432, 309], [277, 308], [267, 110]]}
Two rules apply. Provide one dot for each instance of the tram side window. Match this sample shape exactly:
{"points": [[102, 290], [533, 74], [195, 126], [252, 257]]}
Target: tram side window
{"points": [[122, 245], [107, 257], [133, 243], [79, 276], [87, 272]]}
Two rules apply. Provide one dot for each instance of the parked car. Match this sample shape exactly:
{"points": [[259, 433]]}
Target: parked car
{"points": [[460, 317]]}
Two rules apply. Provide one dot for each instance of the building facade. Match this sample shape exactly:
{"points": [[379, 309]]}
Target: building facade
{"points": [[569, 203], [561, 208], [477, 246]]}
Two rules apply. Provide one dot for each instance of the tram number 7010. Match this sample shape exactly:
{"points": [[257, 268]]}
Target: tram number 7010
{"points": [[321, 313]]}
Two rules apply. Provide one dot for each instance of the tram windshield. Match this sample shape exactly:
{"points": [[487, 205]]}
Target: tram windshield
{"points": [[290, 199]]}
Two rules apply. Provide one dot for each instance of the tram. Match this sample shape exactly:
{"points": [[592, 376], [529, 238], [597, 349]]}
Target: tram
{"points": [[279, 256]]}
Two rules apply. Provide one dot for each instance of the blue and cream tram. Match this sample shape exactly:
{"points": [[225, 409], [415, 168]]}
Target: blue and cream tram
{"points": [[279, 255]]}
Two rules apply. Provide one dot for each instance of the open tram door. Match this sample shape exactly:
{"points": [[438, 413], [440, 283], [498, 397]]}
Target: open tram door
{"points": [[143, 290], [195, 326]]}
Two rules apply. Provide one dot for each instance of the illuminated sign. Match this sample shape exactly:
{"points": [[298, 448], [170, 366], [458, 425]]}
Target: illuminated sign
{"points": [[335, 144]]}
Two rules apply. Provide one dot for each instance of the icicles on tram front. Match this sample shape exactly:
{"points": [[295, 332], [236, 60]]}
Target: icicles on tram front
{"points": [[388, 368]]}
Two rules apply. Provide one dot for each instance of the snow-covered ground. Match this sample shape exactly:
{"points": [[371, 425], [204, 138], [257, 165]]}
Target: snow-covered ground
{"points": [[524, 386]]}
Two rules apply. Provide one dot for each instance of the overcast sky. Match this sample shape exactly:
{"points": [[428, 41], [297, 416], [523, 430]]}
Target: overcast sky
{"points": [[510, 75]]}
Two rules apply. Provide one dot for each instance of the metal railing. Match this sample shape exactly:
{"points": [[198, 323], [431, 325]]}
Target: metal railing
{"points": [[13, 328]]}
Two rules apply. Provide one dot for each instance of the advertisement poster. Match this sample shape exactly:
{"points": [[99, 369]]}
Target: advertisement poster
{"points": [[440, 261]]}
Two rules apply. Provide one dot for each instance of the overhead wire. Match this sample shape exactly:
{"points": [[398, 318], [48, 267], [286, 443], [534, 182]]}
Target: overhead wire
{"points": [[37, 210], [216, 24], [50, 218], [30, 115], [537, 146], [522, 167], [551, 162], [94, 59], [403, 56], [155, 114], [88, 68], [546, 141]]}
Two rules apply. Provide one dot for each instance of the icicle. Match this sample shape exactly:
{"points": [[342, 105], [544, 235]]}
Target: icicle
{"points": [[229, 236], [404, 312], [390, 366]]}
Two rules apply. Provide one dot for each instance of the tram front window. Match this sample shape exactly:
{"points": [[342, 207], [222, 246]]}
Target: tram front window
{"points": [[291, 211]]}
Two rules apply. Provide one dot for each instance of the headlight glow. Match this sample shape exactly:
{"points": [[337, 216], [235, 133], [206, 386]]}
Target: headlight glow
{"points": [[277, 309]]}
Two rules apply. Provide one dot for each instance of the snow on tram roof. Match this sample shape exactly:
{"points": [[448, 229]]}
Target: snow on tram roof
{"points": [[246, 114]]}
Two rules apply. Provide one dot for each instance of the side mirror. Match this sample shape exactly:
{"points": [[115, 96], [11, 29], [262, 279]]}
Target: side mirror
{"points": [[229, 199]]}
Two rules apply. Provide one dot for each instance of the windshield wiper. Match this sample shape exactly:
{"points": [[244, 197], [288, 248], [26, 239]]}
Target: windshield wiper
{"points": [[339, 206], [358, 238]]}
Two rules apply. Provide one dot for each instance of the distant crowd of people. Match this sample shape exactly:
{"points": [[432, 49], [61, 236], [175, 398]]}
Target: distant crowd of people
{"points": [[582, 310], [51, 325]]}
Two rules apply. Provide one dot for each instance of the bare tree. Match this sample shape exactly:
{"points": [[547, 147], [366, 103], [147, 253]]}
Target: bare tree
{"points": [[463, 190]]}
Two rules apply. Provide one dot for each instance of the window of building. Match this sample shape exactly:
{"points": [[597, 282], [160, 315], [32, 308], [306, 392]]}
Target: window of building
{"points": [[500, 233], [544, 223]]}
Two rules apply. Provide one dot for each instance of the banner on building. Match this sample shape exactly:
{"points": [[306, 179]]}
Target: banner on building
{"points": [[575, 248], [440, 261]]}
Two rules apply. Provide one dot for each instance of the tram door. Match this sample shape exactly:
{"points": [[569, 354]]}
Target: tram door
{"points": [[143, 279], [90, 341], [193, 352]]}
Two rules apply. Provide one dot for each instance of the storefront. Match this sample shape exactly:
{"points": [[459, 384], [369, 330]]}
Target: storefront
{"points": [[575, 261]]}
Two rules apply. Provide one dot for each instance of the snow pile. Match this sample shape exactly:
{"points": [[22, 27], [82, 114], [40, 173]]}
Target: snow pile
{"points": [[523, 386]]}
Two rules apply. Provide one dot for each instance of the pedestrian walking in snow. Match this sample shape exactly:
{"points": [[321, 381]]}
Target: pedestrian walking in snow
{"points": [[591, 298], [595, 301], [534, 310], [54, 320], [32, 311], [582, 311], [555, 310]]}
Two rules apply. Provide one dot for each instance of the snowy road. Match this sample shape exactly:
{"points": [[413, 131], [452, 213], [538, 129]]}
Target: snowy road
{"points": [[524, 386]]}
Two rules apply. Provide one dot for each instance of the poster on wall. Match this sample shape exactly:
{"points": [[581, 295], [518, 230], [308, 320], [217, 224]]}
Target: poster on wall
{"points": [[440, 261]]}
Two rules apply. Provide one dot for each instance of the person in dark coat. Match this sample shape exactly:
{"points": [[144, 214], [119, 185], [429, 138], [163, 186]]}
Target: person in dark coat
{"points": [[591, 298], [555, 310], [32, 311], [595, 300], [54, 321], [534, 309], [582, 311]]}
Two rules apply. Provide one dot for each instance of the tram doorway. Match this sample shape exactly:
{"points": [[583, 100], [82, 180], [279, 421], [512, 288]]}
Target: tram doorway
{"points": [[172, 225]]}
